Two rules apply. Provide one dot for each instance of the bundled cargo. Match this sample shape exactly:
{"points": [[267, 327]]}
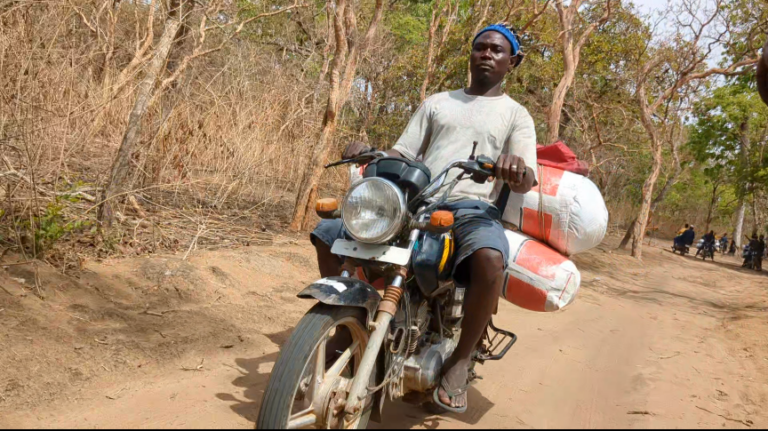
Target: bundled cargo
{"points": [[565, 210], [537, 277]]}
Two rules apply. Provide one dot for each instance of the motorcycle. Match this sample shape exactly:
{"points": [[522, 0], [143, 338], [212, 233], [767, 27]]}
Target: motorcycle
{"points": [[708, 250], [355, 347], [699, 247], [748, 255], [682, 248]]}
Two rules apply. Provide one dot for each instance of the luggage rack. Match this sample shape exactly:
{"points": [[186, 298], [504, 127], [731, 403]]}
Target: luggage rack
{"points": [[499, 343]]}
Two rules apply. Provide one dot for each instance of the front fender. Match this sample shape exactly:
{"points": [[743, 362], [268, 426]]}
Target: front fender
{"points": [[344, 292]]}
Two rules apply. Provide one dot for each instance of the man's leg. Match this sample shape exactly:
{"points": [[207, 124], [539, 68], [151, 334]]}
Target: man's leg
{"points": [[481, 253], [326, 232], [486, 272]]}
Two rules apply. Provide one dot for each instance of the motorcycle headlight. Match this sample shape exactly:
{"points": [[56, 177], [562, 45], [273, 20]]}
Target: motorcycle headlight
{"points": [[373, 210]]}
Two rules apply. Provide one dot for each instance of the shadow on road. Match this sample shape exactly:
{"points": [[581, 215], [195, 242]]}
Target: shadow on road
{"points": [[254, 377], [401, 415], [725, 264], [255, 374]]}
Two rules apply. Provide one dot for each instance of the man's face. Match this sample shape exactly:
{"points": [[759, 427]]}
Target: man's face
{"points": [[491, 57]]}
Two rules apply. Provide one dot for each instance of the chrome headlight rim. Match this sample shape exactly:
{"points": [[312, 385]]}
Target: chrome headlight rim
{"points": [[398, 222]]}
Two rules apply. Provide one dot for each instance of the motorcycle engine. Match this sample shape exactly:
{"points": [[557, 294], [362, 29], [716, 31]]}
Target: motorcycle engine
{"points": [[409, 328], [417, 352]]}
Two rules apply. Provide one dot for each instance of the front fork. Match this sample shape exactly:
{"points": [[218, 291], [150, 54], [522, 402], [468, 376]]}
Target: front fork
{"points": [[386, 311]]}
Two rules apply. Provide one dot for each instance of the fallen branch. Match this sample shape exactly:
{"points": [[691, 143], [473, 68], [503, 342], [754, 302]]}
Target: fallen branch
{"points": [[640, 412], [136, 207], [114, 396], [200, 230], [156, 313], [670, 356], [197, 368], [152, 313], [748, 422], [100, 342]]}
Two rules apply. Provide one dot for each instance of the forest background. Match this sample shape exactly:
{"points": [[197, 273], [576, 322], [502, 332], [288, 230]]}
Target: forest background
{"points": [[133, 126]]}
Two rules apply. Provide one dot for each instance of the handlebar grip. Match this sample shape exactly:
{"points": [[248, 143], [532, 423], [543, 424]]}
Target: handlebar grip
{"points": [[491, 166]]}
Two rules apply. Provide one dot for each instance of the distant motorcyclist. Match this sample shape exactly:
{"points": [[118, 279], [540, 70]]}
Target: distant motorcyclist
{"points": [[707, 243], [686, 238], [750, 252], [759, 251], [724, 243], [732, 248]]}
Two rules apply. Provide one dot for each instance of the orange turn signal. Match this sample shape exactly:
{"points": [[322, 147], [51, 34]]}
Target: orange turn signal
{"points": [[441, 219], [326, 205]]}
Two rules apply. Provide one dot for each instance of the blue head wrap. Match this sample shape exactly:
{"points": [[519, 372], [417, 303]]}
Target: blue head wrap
{"points": [[504, 31]]}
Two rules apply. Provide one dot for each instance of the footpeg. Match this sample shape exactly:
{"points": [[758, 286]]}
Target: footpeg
{"points": [[499, 342]]}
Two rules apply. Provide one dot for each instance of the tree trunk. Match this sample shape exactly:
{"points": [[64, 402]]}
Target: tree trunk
{"points": [[628, 234], [558, 100], [744, 156], [645, 205], [755, 222], [320, 150], [656, 201], [571, 52], [437, 14], [478, 26], [738, 230], [711, 205], [121, 170], [345, 57]]}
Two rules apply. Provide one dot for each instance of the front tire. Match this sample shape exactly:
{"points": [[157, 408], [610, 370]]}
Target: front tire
{"points": [[290, 395]]}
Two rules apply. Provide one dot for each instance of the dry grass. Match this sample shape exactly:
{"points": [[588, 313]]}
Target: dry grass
{"points": [[223, 146]]}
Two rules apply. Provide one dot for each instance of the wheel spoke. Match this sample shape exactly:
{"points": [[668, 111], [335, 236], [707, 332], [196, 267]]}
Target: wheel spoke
{"points": [[301, 419], [318, 375], [342, 361]]}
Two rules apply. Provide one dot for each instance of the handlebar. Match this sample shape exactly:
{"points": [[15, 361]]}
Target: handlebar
{"points": [[362, 159]]}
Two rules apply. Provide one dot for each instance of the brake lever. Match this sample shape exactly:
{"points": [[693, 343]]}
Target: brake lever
{"points": [[361, 159]]}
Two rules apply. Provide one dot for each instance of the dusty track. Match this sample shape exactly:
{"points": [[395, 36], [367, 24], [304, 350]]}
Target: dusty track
{"points": [[669, 342]]}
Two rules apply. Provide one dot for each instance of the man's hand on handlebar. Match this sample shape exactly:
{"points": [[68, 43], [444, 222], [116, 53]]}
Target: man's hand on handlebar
{"points": [[510, 169], [357, 148], [354, 149]]}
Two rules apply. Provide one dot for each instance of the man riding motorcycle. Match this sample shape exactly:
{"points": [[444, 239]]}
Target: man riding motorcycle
{"points": [[441, 130], [724, 243], [685, 239], [750, 252], [708, 245]]}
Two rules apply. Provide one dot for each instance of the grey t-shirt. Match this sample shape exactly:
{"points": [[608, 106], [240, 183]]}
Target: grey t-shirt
{"points": [[446, 124]]}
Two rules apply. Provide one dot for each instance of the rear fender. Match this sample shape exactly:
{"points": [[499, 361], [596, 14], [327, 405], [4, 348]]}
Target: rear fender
{"points": [[344, 292]]}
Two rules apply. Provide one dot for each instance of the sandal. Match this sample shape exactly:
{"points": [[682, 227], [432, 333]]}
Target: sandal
{"points": [[451, 394]]}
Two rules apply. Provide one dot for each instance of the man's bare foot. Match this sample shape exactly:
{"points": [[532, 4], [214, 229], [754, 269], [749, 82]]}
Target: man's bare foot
{"points": [[455, 376]]}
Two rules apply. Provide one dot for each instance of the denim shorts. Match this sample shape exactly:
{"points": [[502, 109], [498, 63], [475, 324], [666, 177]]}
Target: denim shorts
{"points": [[476, 226]]}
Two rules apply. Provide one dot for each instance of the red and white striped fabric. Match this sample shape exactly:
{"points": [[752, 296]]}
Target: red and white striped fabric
{"points": [[565, 210], [537, 277]]}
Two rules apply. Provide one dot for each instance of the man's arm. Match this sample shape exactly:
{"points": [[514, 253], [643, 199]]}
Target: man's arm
{"points": [[411, 141], [510, 168], [520, 155], [355, 148]]}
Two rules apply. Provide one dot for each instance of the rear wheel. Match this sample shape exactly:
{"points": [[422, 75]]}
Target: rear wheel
{"points": [[314, 371]]}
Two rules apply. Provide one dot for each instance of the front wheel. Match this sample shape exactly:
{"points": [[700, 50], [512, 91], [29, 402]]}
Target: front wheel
{"points": [[314, 371]]}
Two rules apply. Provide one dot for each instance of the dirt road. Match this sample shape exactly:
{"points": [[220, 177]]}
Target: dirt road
{"points": [[669, 342]]}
